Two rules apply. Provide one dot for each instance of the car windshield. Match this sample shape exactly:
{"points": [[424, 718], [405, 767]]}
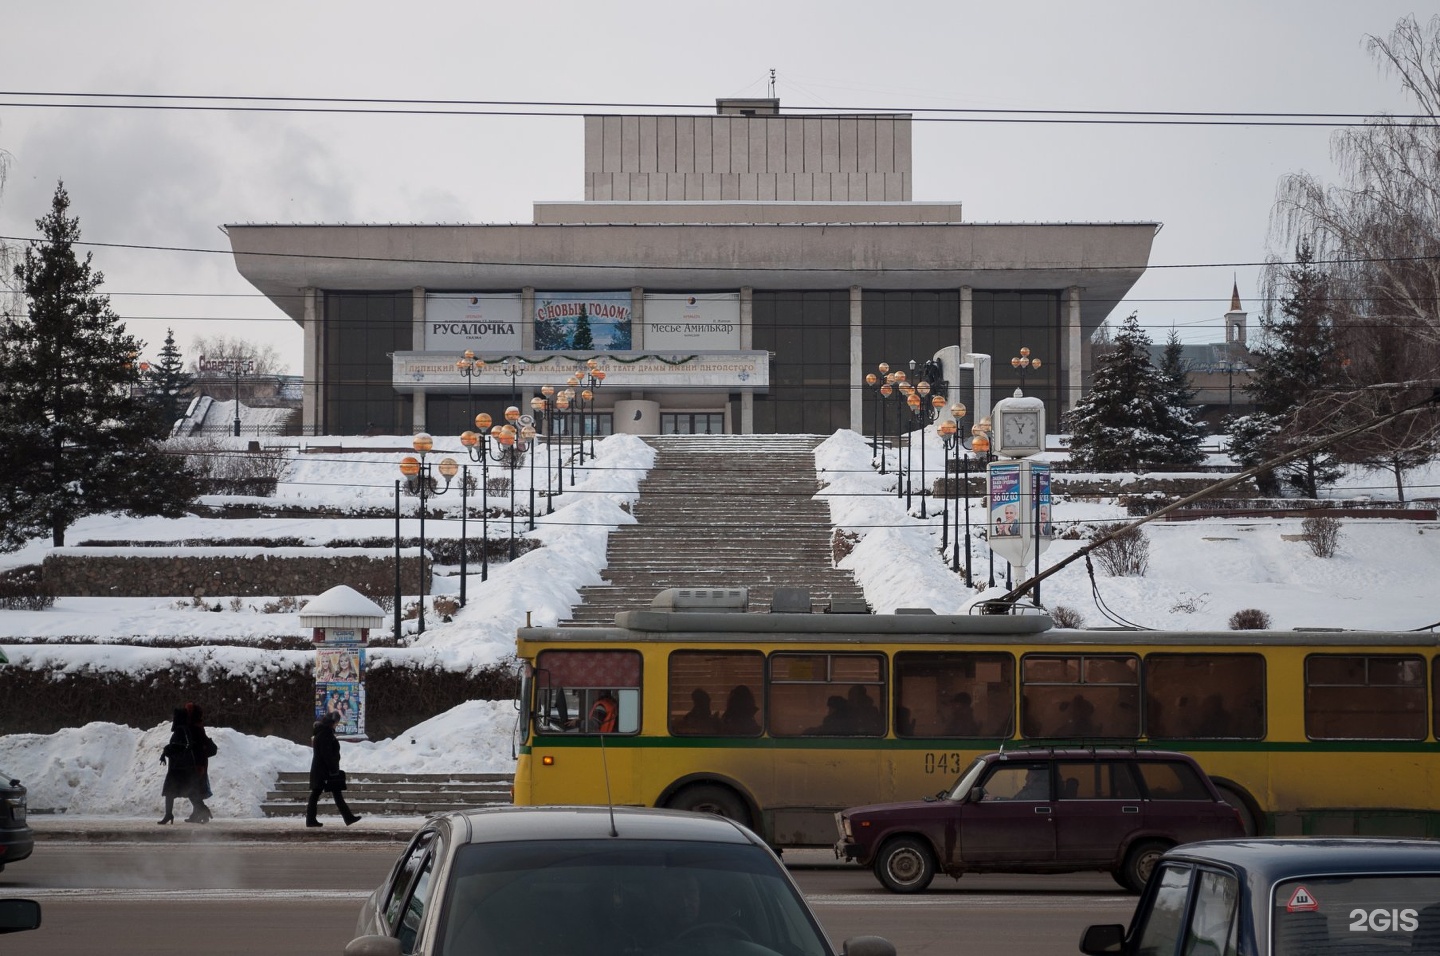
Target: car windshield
{"points": [[623, 898], [967, 780], [1359, 915]]}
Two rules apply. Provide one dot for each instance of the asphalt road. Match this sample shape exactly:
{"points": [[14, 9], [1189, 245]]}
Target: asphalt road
{"points": [[302, 898]]}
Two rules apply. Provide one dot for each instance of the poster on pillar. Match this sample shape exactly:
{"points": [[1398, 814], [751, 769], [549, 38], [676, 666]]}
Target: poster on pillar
{"points": [[704, 322], [1020, 521], [582, 321], [346, 698]]}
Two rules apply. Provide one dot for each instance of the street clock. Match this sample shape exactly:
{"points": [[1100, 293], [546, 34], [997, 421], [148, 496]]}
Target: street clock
{"points": [[1019, 426]]}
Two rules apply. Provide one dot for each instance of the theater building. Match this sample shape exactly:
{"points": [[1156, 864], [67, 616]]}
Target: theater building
{"points": [[736, 272]]}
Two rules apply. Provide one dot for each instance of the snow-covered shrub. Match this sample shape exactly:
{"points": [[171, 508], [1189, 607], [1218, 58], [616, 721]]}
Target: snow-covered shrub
{"points": [[1249, 619], [1322, 534], [1066, 617], [1127, 554]]}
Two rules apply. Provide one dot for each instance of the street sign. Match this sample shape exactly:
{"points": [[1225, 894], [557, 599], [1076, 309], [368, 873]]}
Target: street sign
{"points": [[226, 366]]}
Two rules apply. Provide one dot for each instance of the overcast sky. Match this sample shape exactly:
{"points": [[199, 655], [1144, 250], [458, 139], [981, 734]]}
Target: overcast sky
{"points": [[172, 178]]}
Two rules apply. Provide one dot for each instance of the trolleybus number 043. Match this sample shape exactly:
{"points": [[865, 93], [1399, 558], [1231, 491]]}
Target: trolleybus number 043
{"points": [[950, 763]]}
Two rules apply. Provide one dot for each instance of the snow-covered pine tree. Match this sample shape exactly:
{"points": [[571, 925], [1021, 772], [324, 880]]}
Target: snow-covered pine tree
{"points": [[167, 383], [79, 436], [1120, 424], [1182, 432]]}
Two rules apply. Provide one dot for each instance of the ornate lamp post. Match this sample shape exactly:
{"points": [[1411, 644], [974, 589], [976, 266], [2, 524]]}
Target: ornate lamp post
{"points": [[980, 444], [478, 446], [902, 391], [470, 367], [565, 401], [513, 367], [513, 443], [954, 441], [543, 406], [880, 390], [1023, 363], [420, 481], [592, 378]]}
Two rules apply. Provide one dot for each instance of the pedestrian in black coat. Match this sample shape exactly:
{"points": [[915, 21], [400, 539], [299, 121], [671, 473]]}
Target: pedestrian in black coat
{"points": [[179, 762], [325, 771], [203, 748]]}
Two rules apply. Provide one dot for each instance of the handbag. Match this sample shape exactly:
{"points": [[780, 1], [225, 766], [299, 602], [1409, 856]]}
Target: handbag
{"points": [[335, 781]]}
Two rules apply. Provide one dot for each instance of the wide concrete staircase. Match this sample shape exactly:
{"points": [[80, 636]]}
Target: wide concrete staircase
{"points": [[395, 794], [723, 511]]}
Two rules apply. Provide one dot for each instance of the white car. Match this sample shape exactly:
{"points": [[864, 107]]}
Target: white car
{"points": [[589, 881]]}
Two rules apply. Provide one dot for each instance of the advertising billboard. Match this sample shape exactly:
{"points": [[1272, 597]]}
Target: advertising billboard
{"points": [[479, 321], [582, 321], [700, 321]]}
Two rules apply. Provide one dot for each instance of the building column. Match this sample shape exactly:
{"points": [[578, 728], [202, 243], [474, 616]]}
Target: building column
{"points": [[857, 361], [417, 342], [527, 317], [312, 367], [1074, 353], [967, 320], [637, 318], [747, 341]]}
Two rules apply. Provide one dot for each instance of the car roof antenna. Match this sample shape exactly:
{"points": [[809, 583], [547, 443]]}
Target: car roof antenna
{"points": [[609, 802]]}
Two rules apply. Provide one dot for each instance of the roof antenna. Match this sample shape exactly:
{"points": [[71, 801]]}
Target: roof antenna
{"points": [[609, 803], [772, 82]]}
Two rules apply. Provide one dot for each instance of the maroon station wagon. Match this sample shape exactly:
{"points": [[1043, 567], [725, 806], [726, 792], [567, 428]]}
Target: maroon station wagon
{"points": [[1042, 811]]}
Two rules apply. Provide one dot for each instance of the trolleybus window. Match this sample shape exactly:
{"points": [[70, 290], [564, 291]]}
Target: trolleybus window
{"points": [[717, 693], [587, 692], [1376, 697], [1205, 696], [1077, 696], [827, 695], [954, 695]]}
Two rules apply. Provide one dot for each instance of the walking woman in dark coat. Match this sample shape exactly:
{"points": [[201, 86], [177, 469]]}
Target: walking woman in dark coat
{"points": [[203, 748], [179, 763], [325, 771]]}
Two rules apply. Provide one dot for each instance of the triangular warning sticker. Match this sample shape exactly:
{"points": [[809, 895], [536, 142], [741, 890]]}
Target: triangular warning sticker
{"points": [[1301, 901]]}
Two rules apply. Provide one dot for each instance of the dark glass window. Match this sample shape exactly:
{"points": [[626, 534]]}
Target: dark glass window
{"points": [[1355, 697], [808, 336], [692, 423], [1003, 323], [587, 692], [360, 331], [1080, 696], [1205, 696], [716, 693], [1096, 780], [1171, 780], [898, 327], [827, 695], [954, 695]]}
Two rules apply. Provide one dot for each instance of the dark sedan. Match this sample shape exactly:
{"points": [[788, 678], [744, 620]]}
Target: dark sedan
{"points": [[1295, 897], [16, 839], [588, 881], [1042, 810]]}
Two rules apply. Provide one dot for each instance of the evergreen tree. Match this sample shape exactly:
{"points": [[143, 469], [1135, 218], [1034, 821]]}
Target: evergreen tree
{"points": [[1182, 432], [583, 340], [1124, 423], [1295, 368], [167, 383], [78, 435]]}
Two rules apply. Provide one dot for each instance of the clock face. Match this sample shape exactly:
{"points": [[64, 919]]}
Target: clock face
{"points": [[1019, 430]]}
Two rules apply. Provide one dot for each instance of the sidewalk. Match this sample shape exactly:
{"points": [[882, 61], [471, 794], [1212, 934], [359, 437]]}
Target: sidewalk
{"points": [[63, 828]]}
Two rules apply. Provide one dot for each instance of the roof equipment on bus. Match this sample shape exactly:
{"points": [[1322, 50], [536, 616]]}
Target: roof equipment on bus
{"points": [[790, 601], [711, 600]]}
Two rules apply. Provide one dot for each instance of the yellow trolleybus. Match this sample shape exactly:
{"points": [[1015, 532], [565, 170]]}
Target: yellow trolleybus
{"points": [[780, 719]]}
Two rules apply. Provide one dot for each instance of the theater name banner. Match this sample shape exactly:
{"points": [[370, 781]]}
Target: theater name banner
{"points": [[477, 321], [709, 321], [716, 371]]}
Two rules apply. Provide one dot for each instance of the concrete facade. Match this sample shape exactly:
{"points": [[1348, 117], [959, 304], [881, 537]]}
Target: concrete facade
{"points": [[749, 204]]}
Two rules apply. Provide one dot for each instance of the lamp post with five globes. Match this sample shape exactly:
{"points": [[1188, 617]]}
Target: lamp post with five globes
{"points": [[420, 481]]}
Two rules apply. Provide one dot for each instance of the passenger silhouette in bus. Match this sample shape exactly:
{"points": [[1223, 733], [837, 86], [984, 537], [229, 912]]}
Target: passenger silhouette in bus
{"points": [[1080, 718], [960, 717], [604, 715], [699, 719], [1214, 720], [740, 710], [865, 717], [837, 721]]}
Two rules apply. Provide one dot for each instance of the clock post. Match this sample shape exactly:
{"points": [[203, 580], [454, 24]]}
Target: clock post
{"points": [[1019, 525]]}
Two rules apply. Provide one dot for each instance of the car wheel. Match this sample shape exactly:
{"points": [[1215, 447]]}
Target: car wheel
{"points": [[711, 798], [1140, 863], [905, 865]]}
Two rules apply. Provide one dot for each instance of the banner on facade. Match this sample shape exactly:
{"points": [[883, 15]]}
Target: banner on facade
{"points": [[477, 321], [583, 321], [700, 321]]}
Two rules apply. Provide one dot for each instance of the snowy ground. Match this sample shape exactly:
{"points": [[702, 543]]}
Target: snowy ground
{"points": [[1200, 573]]}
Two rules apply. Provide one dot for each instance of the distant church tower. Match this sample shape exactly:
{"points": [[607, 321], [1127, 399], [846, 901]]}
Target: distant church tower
{"points": [[1235, 322]]}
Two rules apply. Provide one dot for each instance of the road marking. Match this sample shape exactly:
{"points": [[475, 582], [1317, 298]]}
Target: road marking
{"points": [[116, 894]]}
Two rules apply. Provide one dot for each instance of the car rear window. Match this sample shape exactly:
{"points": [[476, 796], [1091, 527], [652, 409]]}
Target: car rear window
{"points": [[1172, 780], [573, 897], [1356, 915]]}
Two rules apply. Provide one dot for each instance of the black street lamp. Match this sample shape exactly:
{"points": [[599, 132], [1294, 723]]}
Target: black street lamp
{"points": [[420, 481], [1023, 363], [544, 407], [924, 407], [513, 367], [477, 446], [980, 444], [565, 402], [513, 438], [954, 441], [881, 389], [901, 390], [592, 378], [470, 367]]}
